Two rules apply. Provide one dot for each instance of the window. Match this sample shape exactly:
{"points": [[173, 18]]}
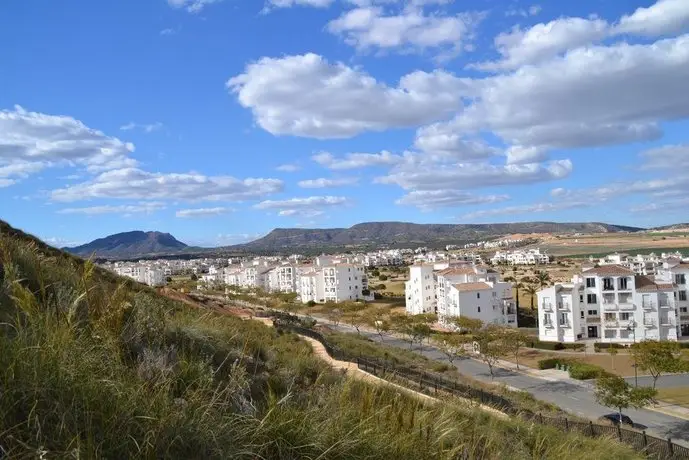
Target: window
{"points": [[610, 317], [593, 312], [681, 279], [479, 309], [683, 310], [582, 314], [626, 316], [624, 334], [610, 334], [581, 298], [590, 282], [591, 298], [608, 284], [478, 295], [495, 294], [622, 282], [546, 319], [682, 295]]}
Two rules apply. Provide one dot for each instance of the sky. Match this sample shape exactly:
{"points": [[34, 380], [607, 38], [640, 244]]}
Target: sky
{"points": [[219, 120]]}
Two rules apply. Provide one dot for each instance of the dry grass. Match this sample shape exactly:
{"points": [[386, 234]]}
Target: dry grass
{"points": [[678, 395], [623, 363]]}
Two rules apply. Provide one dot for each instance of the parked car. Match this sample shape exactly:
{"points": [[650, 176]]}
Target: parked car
{"points": [[614, 419]]}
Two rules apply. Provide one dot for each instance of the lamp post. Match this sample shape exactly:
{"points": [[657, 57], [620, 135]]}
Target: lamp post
{"points": [[632, 327]]}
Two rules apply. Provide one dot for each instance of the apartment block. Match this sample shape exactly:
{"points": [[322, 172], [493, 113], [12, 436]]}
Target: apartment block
{"points": [[614, 304], [525, 257]]}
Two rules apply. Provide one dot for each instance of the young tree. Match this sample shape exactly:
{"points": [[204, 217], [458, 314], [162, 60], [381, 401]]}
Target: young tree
{"points": [[352, 315], [543, 278], [452, 345], [513, 340], [614, 392], [490, 347], [420, 331], [612, 351], [335, 315], [658, 358], [382, 326], [464, 323]]}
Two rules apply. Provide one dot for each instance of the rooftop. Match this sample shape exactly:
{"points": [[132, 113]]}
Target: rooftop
{"points": [[467, 287], [609, 270], [648, 284]]}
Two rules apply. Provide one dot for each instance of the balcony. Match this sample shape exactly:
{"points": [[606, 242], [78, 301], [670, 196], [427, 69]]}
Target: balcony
{"points": [[628, 305], [593, 319], [610, 306], [608, 287], [648, 306], [649, 323], [549, 325], [563, 306], [547, 306], [667, 322], [565, 324], [684, 317], [666, 304]]}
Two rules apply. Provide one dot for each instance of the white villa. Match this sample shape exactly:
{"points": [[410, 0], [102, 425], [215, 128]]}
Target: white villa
{"points": [[613, 304], [525, 257], [460, 290]]}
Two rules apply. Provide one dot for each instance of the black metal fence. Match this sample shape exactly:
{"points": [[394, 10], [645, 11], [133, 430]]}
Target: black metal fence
{"points": [[436, 384]]}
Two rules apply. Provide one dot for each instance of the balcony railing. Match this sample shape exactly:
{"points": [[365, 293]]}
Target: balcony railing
{"points": [[684, 317], [565, 324], [593, 319], [548, 324], [608, 287], [667, 322], [626, 305], [648, 306], [649, 323], [610, 306], [563, 306], [547, 306], [665, 305]]}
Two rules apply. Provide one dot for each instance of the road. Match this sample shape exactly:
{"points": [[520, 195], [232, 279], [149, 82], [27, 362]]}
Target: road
{"points": [[573, 397]]}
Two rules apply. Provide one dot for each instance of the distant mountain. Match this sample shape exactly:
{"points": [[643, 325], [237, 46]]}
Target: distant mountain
{"points": [[397, 234], [129, 245], [669, 228]]}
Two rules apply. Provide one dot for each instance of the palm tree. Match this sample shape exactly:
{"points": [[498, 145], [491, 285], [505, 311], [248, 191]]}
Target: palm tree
{"points": [[518, 286], [543, 278], [531, 290]]}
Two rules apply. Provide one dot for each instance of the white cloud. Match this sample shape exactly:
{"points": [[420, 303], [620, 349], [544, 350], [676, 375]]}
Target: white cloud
{"points": [[416, 174], [438, 142], [303, 207], [543, 41], [432, 199], [410, 29], [325, 183], [671, 157], [533, 10], [592, 96], [288, 168], [168, 31], [202, 212], [518, 154], [288, 96], [191, 6], [662, 18], [291, 3], [31, 141], [147, 128], [146, 207], [7, 182], [131, 183], [59, 242], [681, 203], [356, 160], [526, 209]]}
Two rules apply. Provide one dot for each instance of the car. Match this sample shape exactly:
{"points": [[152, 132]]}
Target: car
{"points": [[614, 419]]}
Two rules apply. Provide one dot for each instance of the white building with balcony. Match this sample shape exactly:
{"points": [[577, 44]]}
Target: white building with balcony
{"points": [[420, 290], [525, 257], [613, 304], [332, 283]]}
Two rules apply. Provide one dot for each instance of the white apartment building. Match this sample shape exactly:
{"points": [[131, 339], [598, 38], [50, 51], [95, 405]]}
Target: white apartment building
{"points": [[282, 278], [641, 264], [525, 257], [333, 283], [613, 304], [460, 290], [150, 275]]}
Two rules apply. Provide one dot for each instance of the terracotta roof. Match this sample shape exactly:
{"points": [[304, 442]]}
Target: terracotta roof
{"points": [[464, 287], [457, 271], [609, 270], [648, 284]]}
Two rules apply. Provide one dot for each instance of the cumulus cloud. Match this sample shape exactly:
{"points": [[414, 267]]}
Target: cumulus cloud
{"points": [[286, 96], [292, 3], [670, 157], [140, 208], [147, 128], [662, 18], [431, 199], [132, 183], [525, 209], [202, 212], [32, 141], [410, 29], [288, 168], [303, 207], [326, 183], [356, 160], [191, 6]]}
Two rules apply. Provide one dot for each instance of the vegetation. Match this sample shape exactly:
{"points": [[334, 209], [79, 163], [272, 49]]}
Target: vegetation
{"points": [[658, 358], [615, 392], [577, 369], [93, 366]]}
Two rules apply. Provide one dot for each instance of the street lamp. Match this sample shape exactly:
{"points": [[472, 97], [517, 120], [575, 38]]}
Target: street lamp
{"points": [[632, 328]]}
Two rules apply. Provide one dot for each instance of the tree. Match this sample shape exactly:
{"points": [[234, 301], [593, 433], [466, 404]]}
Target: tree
{"points": [[614, 392], [490, 347], [194, 277], [335, 315], [383, 277], [543, 278], [518, 286], [532, 291], [382, 326], [413, 328], [513, 340], [612, 351], [658, 358], [352, 315], [464, 323], [452, 345]]}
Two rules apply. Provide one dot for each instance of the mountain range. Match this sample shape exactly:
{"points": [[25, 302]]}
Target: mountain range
{"points": [[361, 236]]}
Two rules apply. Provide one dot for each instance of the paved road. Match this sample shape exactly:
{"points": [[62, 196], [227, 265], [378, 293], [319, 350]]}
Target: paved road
{"points": [[575, 398], [664, 381]]}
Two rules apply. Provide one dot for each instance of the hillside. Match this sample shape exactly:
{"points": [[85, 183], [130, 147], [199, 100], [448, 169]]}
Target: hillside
{"points": [[403, 233], [129, 244], [96, 366]]}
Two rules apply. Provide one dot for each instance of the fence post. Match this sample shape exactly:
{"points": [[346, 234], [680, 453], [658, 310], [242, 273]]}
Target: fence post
{"points": [[566, 424], [645, 439], [619, 431], [591, 428], [540, 418], [670, 446], [436, 387], [420, 382]]}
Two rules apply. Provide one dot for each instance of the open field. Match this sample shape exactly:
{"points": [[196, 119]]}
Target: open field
{"points": [[623, 363], [678, 396], [561, 245]]}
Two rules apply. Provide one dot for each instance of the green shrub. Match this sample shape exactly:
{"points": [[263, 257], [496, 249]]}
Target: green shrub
{"points": [[604, 346], [584, 371], [548, 363], [546, 345]]}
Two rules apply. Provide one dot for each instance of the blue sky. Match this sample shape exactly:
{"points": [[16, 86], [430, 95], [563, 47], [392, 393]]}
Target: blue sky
{"points": [[219, 120]]}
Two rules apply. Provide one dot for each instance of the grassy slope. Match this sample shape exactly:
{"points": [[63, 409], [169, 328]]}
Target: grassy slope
{"points": [[94, 366]]}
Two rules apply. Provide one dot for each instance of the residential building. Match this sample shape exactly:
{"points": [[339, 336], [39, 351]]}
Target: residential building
{"points": [[614, 304], [420, 289], [330, 282], [522, 257]]}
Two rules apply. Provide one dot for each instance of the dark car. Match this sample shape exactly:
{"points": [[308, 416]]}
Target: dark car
{"points": [[614, 419]]}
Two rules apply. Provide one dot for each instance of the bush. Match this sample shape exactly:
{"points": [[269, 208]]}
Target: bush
{"points": [[604, 346], [546, 345], [310, 304], [549, 363], [574, 346], [584, 371], [383, 277]]}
